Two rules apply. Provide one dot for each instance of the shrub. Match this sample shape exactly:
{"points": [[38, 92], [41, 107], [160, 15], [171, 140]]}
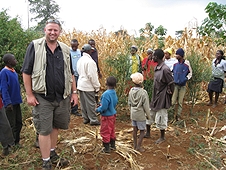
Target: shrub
{"points": [[200, 74]]}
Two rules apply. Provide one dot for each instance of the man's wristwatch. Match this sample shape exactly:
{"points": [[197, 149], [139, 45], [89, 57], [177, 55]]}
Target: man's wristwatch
{"points": [[75, 92]]}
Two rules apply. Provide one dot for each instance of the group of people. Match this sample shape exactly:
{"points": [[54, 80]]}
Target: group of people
{"points": [[169, 76], [54, 74]]}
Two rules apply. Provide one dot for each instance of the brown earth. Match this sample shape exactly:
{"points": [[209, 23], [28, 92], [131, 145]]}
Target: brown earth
{"points": [[189, 145]]}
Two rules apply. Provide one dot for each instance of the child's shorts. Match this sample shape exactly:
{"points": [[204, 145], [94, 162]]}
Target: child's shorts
{"points": [[140, 125]]}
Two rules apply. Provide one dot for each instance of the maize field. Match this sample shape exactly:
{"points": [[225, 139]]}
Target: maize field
{"points": [[112, 44]]}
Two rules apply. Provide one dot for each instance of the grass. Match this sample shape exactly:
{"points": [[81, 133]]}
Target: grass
{"points": [[209, 151], [222, 116]]}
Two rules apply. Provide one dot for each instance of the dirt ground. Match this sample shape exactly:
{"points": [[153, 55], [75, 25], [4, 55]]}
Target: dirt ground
{"points": [[179, 139], [193, 143]]}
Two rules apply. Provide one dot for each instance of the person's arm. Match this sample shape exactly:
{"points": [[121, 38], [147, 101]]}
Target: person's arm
{"points": [[27, 70], [104, 105], [96, 59], [97, 62], [190, 70], [224, 67], [146, 105], [129, 101], [169, 81], [74, 96], [92, 75], [4, 88], [31, 99]]}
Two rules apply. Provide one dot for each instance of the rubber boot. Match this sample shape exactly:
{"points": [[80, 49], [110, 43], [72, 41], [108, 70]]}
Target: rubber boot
{"points": [[112, 144], [106, 147]]}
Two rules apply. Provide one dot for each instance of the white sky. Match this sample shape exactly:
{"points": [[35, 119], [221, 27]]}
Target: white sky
{"points": [[112, 15]]}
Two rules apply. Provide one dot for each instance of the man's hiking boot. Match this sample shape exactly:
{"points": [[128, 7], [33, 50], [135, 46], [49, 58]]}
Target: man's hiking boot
{"points": [[55, 159], [46, 165]]}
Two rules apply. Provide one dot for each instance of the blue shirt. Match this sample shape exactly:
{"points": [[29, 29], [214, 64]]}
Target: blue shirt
{"points": [[109, 101], [10, 87], [75, 56], [180, 72]]}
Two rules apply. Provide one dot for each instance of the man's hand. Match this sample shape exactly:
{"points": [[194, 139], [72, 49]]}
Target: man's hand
{"points": [[31, 100], [99, 75], [74, 99]]}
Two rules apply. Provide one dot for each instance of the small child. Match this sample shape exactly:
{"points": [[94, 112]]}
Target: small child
{"points": [[107, 109], [139, 109]]}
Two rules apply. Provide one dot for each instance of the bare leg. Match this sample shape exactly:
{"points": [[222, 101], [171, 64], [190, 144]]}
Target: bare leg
{"points": [[45, 145], [135, 137], [36, 140], [140, 141], [162, 138], [225, 99], [216, 98], [48, 142], [211, 98], [54, 136]]}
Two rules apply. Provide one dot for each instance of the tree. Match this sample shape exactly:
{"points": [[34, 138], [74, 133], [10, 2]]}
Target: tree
{"points": [[14, 39], [160, 31], [44, 9], [215, 24], [147, 30]]}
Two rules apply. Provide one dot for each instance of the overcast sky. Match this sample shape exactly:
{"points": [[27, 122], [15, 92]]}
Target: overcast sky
{"points": [[112, 15]]}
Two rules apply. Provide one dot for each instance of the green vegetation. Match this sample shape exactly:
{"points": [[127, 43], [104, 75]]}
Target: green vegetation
{"points": [[201, 73], [118, 66], [14, 39], [215, 24], [43, 10]]}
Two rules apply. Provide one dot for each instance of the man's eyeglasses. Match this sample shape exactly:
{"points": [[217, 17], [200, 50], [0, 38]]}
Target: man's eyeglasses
{"points": [[53, 21]]}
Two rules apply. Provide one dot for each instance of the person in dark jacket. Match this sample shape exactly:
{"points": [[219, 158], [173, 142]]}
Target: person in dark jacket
{"points": [[94, 56], [182, 72], [161, 96]]}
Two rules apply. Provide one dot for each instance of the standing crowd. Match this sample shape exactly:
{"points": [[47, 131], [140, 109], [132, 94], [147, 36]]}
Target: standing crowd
{"points": [[55, 74]]}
